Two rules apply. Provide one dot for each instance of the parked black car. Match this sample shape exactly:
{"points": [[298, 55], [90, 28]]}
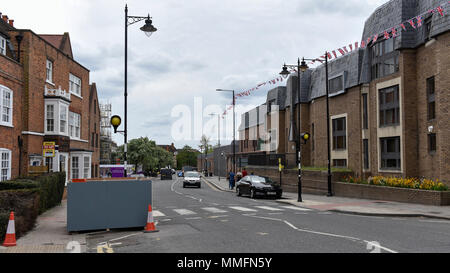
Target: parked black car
{"points": [[166, 174], [254, 185]]}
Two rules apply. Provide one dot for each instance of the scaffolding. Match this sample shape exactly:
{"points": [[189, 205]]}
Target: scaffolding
{"points": [[105, 133]]}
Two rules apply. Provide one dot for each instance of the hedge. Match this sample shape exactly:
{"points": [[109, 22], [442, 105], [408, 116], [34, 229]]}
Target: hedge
{"points": [[18, 184], [51, 190], [28, 199], [24, 203], [4, 218]]}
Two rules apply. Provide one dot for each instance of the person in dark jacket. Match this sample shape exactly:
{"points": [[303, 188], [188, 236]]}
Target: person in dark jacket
{"points": [[231, 179]]}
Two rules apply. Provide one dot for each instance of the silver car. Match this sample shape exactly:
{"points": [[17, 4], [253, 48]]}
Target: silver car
{"points": [[191, 179]]}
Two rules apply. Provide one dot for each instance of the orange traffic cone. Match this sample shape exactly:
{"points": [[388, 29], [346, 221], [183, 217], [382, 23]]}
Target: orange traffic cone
{"points": [[150, 227], [10, 239]]}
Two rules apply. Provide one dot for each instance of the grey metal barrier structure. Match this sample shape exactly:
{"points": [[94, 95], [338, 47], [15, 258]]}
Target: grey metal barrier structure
{"points": [[96, 205]]}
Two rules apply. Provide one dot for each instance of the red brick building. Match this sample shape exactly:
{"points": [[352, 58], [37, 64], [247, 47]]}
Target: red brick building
{"points": [[46, 97]]}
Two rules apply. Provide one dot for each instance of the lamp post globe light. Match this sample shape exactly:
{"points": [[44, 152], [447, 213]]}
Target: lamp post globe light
{"points": [[302, 66], [148, 29]]}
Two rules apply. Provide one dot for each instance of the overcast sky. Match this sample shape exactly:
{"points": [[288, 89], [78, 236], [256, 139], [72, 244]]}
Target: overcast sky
{"points": [[200, 45]]}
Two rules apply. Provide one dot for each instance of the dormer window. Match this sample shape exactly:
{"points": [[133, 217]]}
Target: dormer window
{"points": [[336, 85], [2, 45], [384, 59]]}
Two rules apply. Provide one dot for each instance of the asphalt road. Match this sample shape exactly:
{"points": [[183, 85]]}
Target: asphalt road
{"points": [[207, 220]]}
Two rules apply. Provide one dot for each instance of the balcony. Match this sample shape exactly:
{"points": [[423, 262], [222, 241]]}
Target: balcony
{"points": [[57, 93]]}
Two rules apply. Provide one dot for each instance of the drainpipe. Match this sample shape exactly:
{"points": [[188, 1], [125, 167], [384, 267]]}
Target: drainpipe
{"points": [[19, 39]]}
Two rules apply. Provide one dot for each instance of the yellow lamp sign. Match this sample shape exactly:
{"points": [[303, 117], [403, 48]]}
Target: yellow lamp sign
{"points": [[280, 166], [115, 122], [48, 149]]}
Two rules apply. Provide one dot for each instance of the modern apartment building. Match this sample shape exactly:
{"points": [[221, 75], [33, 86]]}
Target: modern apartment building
{"points": [[389, 102], [45, 97]]}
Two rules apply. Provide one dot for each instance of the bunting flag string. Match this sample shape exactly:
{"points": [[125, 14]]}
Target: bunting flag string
{"points": [[388, 33]]}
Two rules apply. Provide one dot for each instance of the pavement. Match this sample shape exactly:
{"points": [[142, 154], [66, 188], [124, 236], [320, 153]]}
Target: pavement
{"points": [[50, 235], [355, 206]]}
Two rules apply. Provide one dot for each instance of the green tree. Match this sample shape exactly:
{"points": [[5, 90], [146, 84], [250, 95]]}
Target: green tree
{"points": [[187, 157], [143, 151]]}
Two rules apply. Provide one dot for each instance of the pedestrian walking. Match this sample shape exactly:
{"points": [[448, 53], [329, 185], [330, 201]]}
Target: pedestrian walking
{"points": [[238, 176], [231, 179], [244, 173]]}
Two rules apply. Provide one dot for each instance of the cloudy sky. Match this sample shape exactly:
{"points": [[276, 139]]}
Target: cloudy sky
{"points": [[200, 45]]}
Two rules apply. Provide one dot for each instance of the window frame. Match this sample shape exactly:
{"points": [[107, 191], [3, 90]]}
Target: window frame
{"points": [[336, 134], [5, 90], [2, 47], [8, 168], [74, 125], [62, 114], [336, 160], [384, 107], [431, 98], [332, 93], [75, 81], [49, 71], [72, 167], [365, 105], [385, 155], [366, 158], [432, 145], [47, 118], [379, 56]]}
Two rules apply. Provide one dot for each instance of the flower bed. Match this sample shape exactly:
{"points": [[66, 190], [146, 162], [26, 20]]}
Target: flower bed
{"points": [[398, 182]]}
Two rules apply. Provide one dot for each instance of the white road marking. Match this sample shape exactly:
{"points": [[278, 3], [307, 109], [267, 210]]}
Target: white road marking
{"points": [[295, 208], [214, 210], [217, 216], [242, 209], [194, 218], [323, 233], [157, 213], [184, 211], [269, 208]]}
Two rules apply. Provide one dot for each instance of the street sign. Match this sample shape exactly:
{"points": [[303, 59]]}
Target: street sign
{"points": [[48, 149]]}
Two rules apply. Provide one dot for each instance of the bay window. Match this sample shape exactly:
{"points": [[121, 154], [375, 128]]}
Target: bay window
{"points": [[81, 165], [75, 167], [50, 118], [63, 118]]}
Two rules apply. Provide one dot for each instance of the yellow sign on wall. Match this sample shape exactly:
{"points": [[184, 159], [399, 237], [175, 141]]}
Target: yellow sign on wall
{"points": [[48, 149]]}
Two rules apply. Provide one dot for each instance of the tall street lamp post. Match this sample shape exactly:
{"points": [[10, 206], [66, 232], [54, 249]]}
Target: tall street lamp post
{"points": [[298, 147], [303, 67], [149, 29], [234, 128]]}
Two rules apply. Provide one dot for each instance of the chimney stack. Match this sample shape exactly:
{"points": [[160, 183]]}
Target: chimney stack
{"points": [[11, 23], [5, 18]]}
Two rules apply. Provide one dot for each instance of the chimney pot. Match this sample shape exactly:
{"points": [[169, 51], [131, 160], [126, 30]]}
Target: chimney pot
{"points": [[11, 23], [5, 18]]}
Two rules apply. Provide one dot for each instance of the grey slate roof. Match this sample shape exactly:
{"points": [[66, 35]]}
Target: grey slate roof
{"points": [[394, 12], [279, 95]]}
